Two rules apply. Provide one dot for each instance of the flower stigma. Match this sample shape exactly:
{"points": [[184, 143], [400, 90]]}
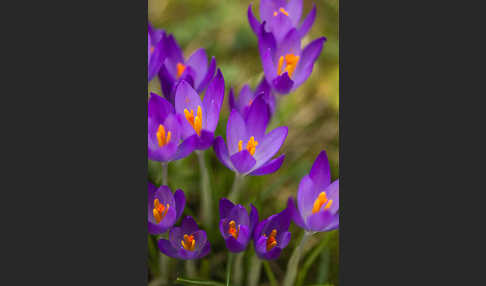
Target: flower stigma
{"points": [[180, 69], [271, 241], [188, 243], [250, 146], [159, 210], [232, 229], [291, 62], [162, 137], [320, 201], [281, 10], [196, 122]]}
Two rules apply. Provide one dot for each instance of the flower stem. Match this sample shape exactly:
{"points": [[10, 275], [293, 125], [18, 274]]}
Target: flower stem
{"points": [[190, 268], [228, 268], [164, 260], [165, 167], [235, 189], [238, 269], [294, 261], [255, 268], [206, 212]]}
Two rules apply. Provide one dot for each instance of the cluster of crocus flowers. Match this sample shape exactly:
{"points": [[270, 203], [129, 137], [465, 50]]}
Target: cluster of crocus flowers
{"points": [[249, 150], [185, 242], [271, 235], [246, 97], [156, 54], [236, 226], [164, 208], [175, 68], [317, 199], [200, 118]]}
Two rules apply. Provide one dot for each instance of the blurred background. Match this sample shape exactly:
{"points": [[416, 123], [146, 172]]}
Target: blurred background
{"points": [[311, 113]]}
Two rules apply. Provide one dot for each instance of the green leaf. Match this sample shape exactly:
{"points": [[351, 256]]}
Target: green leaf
{"points": [[185, 281], [311, 258], [271, 276]]}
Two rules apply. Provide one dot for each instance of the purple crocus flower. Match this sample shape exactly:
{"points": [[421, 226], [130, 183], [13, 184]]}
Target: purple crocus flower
{"points": [[249, 149], [317, 199], [164, 208], [186, 242], [281, 16], [271, 235], [165, 131], [175, 68], [285, 65], [247, 96], [156, 53], [235, 225], [200, 118]]}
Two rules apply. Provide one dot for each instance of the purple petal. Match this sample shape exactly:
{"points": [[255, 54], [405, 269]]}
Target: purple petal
{"points": [[225, 207], [151, 191], [213, 100], [185, 148], [207, 77], [164, 195], [334, 224], [175, 237], [239, 215], [253, 219], [222, 152], [267, 7], [204, 141], [231, 99], [166, 248], [243, 161], [270, 167], [306, 195], [158, 108], [257, 232], [166, 82], [188, 225], [200, 238], [284, 239], [308, 57], [283, 84], [156, 34], [244, 97], [320, 172], [289, 45], [174, 54], [332, 192], [204, 251], [257, 118], [270, 145], [198, 61], [319, 220], [234, 245], [294, 8], [166, 223], [268, 67], [308, 22], [280, 25], [187, 98], [266, 41], [295, 214], [156, 59], [254, 24], [188, 75], [235, 131], [180, 202], [167, 152], [280, 222]]}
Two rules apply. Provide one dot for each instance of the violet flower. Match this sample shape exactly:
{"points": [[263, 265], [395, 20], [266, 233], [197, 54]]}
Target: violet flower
{"points": [[200, 118], [165, 131], [175, 68], [249, 149], [247, 96], [186, 242], [281, 16], [271, 235], [164, 208], [317, 199], [156, 53], [285, 65], [235, 225]]}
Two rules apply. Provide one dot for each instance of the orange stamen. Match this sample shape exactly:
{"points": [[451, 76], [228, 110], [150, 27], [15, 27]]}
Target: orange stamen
{"points": [[196, 122], [161, 136], [291, 62], [151, 49], [281, 10], [250, 146], [271, 241], [320, 201], [188, 243], [160, 211], [180, 69]]}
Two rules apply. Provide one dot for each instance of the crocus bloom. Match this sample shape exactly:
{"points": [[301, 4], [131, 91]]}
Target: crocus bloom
{"points": [[164, 208], [317, 199], [164, 132], [285, 65], [281, 16], [236, 226], [271, 235], [247, 96], [249, 149], [156, 53], [200, 118], [185, 242], [194, 70]]}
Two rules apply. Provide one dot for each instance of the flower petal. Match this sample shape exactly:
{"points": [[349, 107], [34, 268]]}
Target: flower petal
{"points": [[283, 84], [284, 239], [231, 99], [294, 8], [243, 161], [204, 251], [270, 145], [308, 57], [268, 7], [254, 24], [204, 141], [207, 77], [257, 118], [187, 98], [306, 195], [235, 131], [244, 98], [270, 167], [253, 219], [200, 238], [174, 54], [308, 22], [280, 25], [213, 99], [158, 108], [166, 82], [295, 214], [320, 220], [320, 172], [185, 148], [188, 225], [180, 202], [268, 67], [225, 207], [198, 61], [289, 45], [222, 152], [166, 248]]}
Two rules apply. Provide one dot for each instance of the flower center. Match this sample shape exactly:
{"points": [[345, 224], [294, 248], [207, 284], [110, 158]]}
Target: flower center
{"points": [[151, 49], [188, 242], [196, 122], [320, 201], [180, 69], [291, 61], [271, 241], [162, 137], [281, 10], [232, 229], [250, 146], [160, 210]]}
